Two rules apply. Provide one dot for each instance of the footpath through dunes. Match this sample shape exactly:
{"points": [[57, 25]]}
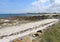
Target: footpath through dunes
{"points": [[10, 33]]}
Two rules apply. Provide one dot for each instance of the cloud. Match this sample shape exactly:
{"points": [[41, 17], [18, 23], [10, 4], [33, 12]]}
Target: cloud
{"points": [[40, 5], [55, 7], [45, 6], [57, 1], [43, 1]]}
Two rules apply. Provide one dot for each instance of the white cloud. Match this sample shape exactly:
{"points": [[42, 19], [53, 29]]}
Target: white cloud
{"points": [[43, 1], [57, 1], [38, 6], [55, 7]]}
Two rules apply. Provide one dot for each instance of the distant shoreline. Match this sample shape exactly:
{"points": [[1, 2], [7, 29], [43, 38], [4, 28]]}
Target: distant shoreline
{"points": [[23, 14]]}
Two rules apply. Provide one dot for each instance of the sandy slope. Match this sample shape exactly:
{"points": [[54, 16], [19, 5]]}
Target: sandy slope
{"points": [[18, 28]]}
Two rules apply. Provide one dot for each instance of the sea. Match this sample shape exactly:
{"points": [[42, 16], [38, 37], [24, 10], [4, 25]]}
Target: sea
{"points": [[10, 15]]}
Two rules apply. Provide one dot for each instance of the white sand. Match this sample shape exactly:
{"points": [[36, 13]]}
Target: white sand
{"points": [[14, 29]]}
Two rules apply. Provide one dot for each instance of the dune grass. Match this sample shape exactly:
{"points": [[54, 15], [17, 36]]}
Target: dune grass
{"points": [[52, 34]]}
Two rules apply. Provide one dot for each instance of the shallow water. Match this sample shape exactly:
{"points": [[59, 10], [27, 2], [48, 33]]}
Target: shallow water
{"points": [[9, 15]]}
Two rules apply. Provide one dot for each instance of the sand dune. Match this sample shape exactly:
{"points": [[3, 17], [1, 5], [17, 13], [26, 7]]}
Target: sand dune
{"points": [[10, 30]]}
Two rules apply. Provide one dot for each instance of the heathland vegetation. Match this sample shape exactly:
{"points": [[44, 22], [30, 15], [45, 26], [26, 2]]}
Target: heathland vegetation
{"points": [[51, 35]]}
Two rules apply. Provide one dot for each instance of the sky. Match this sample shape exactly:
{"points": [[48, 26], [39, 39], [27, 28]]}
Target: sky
{"points": [[32, 6]]}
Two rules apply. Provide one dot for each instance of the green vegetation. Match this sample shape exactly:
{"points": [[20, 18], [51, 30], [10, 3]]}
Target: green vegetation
{"points": [[52, 34], [16, 20], [29, 18]]}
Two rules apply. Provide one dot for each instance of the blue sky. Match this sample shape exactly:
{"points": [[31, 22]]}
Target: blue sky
{"points": [[23, 6], [12, 6]]}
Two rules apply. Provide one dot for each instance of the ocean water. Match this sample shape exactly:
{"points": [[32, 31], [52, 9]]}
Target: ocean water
{"points": [[9, 15]]}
